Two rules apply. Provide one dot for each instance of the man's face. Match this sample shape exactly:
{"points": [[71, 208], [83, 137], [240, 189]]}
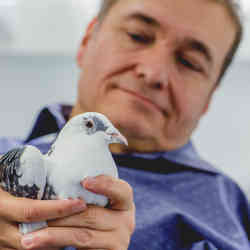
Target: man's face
{"points": [[152, 67]]}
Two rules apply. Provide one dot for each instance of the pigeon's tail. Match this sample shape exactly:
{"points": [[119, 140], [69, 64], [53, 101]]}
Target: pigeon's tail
{"points": [[25, 228]]}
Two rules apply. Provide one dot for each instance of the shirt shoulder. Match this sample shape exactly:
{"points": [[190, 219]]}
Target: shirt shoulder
{"points": [[44, 130]]}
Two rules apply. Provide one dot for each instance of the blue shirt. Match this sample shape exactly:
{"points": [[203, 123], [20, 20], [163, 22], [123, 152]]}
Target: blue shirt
{"points": [[182, 202]]}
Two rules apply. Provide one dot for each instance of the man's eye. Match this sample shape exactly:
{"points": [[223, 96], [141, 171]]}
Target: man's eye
{"points": [[188, 64], [140, 38]]}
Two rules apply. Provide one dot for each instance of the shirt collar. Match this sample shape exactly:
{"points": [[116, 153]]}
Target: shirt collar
{"points": [[57, 115]]}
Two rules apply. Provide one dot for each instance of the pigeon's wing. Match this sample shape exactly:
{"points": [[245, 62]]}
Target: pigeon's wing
{"points": [[49, 193], [22, 172]]}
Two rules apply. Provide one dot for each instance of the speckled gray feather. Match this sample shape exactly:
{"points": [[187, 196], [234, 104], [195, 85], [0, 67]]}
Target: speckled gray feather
{"points": [[22, 174]]}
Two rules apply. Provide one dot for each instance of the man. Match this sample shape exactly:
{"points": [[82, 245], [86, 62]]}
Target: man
{"points": [[152, 67]]}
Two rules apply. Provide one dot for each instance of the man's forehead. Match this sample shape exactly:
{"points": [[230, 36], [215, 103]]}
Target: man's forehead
{"points": [[165, 11]]}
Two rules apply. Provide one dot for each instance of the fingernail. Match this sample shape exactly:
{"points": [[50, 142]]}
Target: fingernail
{"points": [[89, 181], [27, 241], [80, 207]]}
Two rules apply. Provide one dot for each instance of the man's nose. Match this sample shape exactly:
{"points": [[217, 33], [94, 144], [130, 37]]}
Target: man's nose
{"points": [[153, 67]]}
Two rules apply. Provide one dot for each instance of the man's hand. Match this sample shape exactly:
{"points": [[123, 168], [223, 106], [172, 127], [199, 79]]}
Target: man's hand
{"points": [[13, 210], [96, 228]]}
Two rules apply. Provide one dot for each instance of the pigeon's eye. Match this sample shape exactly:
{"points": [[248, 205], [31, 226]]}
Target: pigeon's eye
{"points": [[89, 124]]}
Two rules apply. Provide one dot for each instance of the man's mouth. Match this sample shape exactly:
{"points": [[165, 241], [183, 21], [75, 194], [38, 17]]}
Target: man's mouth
{"points": [[145, 99]]}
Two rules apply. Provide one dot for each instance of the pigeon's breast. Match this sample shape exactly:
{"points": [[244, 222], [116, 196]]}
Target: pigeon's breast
{"points": [[69, 171]]}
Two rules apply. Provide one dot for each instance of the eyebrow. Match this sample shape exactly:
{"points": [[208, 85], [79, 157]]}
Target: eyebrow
{"points": [[144, 19], [192, 43]]}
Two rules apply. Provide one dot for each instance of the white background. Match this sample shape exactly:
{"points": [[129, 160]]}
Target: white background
{"points": [[38, 42]]}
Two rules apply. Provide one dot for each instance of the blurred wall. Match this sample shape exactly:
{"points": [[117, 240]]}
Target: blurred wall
{"points": [[30, 82], [223, 136]]}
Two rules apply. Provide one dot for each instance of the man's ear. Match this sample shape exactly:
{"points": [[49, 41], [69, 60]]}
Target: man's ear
{"points": [[85, 40], [205, 109]]}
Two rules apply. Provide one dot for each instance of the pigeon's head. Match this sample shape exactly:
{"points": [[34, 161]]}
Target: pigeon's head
{"points": [[93, 123]]}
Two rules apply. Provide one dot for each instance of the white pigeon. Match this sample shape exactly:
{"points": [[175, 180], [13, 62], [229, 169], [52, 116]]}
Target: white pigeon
{"points": [[80, 150]]}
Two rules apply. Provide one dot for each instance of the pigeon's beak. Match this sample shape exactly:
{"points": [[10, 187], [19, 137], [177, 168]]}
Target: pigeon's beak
{"points": [[114, 136]]}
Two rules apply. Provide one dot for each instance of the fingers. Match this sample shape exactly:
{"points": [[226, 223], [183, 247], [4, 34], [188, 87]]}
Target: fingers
{"points": [[94, 217], [96, 227], [9, 236], [77, 237], [119, 192], [98, 218], [28, 210], [8, 248]]}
